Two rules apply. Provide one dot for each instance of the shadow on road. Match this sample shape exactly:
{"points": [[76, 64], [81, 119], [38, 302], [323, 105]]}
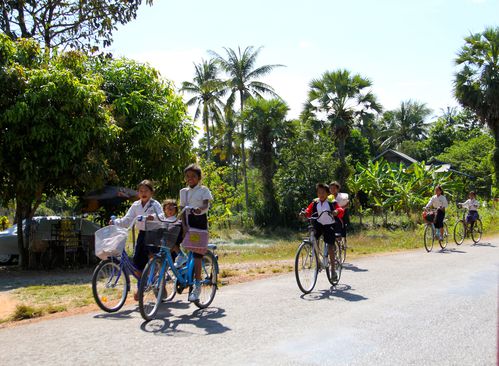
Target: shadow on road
{"points": [[119, 315], [170, 325], [339, 291], [450, 251], [351, 267], [484, 245]]}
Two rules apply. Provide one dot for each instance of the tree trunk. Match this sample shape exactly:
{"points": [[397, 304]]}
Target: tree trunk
{"points": [[21, 213], [207, 126], [496, 154], [342, 173], [267, 169], [243, 155]]}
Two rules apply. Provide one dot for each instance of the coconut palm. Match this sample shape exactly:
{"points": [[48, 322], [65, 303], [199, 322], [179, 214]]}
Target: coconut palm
{"points": [[266, 124], [336, 101], [241, 68], [406, 123], [477, 82], [207, 89]]}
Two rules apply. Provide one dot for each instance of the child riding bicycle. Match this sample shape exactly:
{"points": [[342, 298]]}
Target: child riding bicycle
{"points": [[324, 225], [197, 197], [472, 205], [438, 202]]}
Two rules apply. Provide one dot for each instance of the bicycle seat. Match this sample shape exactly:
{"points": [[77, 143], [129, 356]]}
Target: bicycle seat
{"points": [[212, 246]]}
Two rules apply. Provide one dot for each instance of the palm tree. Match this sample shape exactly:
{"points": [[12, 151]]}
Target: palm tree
{"points": [[207, 89], [337, 100], [406, 123], [242, 71], [265, 126], [477, 83]]}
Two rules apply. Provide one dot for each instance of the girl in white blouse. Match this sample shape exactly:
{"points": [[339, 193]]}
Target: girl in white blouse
{"points": [[438, 202]]}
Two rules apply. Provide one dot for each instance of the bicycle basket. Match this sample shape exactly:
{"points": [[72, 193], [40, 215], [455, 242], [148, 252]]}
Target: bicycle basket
{"points": [[168, 234], [110, 241]]}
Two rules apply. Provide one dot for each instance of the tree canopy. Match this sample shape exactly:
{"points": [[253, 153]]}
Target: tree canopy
{"points": [[76, 24]]}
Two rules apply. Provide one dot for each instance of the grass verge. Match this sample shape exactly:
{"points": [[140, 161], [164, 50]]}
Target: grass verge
{"points": [[242, 257]]}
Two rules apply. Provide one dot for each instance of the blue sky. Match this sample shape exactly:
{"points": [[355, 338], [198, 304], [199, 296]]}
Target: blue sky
{"points": [[406, 48]]}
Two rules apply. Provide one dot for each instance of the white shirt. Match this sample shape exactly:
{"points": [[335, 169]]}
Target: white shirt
{"points": [[325, 219], [437, 201], [471, 205], [152, 207], [342, 199], [194, 197]]}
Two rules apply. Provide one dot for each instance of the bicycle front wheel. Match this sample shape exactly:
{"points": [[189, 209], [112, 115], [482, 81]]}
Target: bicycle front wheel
{"points": [[476, 231], [306, 267], [151, 288], [209, 278], [338, 266], [428, 237], [110, 285], [445, 239], [459, 232]]}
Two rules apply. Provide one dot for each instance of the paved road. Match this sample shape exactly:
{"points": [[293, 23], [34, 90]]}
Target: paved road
{"points": [[403, 309]]}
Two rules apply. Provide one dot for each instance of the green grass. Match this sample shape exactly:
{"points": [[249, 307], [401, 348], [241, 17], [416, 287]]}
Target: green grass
{"points": [[55, 298]]}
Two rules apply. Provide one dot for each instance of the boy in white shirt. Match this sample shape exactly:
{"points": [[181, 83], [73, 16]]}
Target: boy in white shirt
{"points": [[472, 205], [344, 201], [197, 197]]}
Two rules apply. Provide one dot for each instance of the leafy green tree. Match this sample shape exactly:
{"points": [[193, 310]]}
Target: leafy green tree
{"points": [[405, 123], [77, 24], [357, 148], [474, 158], [335, 101], [53, 127], [477, 82], [207, 89], [265, 123], [305, 158], [243, 84], [155, 136]]}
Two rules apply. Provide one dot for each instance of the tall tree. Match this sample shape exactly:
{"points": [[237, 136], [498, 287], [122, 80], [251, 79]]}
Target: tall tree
{"points": [[477, 82], [242, 71], [265, 122], [207, 89], [155, 136], [336, 101], [74, 23], [53, 128], [405, 123]]}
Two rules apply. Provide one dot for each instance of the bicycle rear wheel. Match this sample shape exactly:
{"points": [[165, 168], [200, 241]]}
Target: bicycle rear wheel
{"points": [[476, 231], [343, 247], [209, 277], [151, 288], [459, 232], [445, 239], [306, 267], [110, 285], [428, 237], [338, 265]]}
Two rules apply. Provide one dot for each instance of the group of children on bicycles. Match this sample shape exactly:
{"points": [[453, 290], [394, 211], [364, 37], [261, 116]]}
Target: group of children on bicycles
{"points": [[434, 211], [195, 196]]}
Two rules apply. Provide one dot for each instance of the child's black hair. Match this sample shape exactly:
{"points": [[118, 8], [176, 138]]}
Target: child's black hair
{"points": [[194, 168]]}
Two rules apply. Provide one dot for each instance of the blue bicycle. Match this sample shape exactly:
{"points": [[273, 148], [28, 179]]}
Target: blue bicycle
{"points": [[111, 280], [161, 279]]}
